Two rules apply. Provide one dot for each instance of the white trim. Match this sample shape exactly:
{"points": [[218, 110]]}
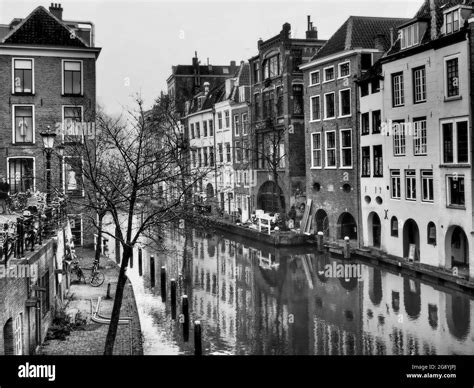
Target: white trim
{"points": [[89, 53], [326, 149], [340, 103], [448, 191], [62, 74], [311, 113], [339, 70], [62, 118], [324, 74], [325, 110], [22, 157], [13, 123], [341, 149], [82, 174], [311, 76], [32, 73], [445, 76], [454, 122], [313, 149]]}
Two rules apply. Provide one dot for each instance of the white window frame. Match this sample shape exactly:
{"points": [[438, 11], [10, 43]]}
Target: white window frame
{"points": [[313, 165], [409, 36], [18, 334], [325, 110], [32, 73], [340, 103], [62, 73], [333, 72], [22, 157], [219, 120], [236, 125], [341, 148], [227, 119], [14, 106], [399, 136], [401, 91], [64, 173], [445, 76], [412, 179], [421, 87], [453, 12], [311, 78], [312, 119], [396, 176], [420, 137], [244, 127], [448, 191], [454, 122], [339, 70], [427, 175], [62, 118], [69, 215], [326, 149]]}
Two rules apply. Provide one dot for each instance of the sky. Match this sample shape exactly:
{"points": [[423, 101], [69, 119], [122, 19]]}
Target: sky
{"points": [[141, 40]]}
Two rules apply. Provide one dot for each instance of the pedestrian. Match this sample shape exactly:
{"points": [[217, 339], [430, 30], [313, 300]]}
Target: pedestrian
{"points": [[4, 194]]}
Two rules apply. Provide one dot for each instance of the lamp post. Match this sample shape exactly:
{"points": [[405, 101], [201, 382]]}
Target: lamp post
{"points": [[48, 137]]}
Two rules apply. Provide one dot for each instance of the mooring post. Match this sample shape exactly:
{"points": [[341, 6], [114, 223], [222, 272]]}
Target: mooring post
{"points": [[197, 338], [173, 298], [163, 283], [347, 248], [320, 241], [185, 313], [152, 271], [140, 265], [108, 291]]}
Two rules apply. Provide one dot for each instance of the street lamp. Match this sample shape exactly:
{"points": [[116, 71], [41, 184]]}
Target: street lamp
{"points": [[48, 137]]}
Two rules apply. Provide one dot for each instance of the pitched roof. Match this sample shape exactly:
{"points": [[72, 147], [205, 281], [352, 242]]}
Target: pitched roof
{"points": [[40, 27], [359, 32]]}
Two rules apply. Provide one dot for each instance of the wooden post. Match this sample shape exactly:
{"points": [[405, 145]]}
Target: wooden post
{"points": [[108, 291], [320, 241], [347, 248], [131, 260], [173, 298], [185, 314], [152, 271], [163, 283], [140, 264], [197, 338]]}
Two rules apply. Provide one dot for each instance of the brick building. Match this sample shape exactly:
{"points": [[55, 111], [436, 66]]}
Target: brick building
{"points": [[277, 119], [47, 78], [331, 118]]}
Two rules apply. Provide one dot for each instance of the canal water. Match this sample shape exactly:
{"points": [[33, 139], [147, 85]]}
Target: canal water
{"points": [[253, 299]]}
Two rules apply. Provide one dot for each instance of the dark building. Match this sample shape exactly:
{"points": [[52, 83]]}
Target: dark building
{"points": [[277, 118]]}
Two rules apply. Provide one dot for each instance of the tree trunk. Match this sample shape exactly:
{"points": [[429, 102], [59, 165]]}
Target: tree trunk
{"points": [[113, 326], [98, 248]]}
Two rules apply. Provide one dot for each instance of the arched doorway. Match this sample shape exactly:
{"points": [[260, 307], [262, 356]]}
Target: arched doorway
{"points": [[458, 315], [412, 297], [270, 198], [411, 237], [457, 247], [347, 226], [322, 222], [8, 340], [375, 230]]}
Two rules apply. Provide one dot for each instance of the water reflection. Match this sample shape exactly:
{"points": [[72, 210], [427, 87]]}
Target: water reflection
{"points": [[252, 299]]}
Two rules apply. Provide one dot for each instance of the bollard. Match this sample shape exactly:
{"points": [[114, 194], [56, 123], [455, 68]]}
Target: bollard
{"points": [[197, 339], [152, 271], [140, 265], [163, 283], [108, 291], [320, 241], [347, 248], [185, 313], [173, 298], [131, 260]]}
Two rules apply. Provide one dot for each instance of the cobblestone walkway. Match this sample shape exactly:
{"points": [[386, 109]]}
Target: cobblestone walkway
{"points": [[91, 340]]}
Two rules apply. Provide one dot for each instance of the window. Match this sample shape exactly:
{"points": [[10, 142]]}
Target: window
{"points": [[238, 152], [245, 119], [314, 78], [211, 128], [455, 142], [331, 149], [364, 123], [328, 74], [431, 233], [23, 124], [204, 128], [193, 157], [456, 191], [219, 120], [345, 102], [427, 185], [268, 103], [73, 176], [378, 161], [279, 107], [344, 69], [228, 154], [257, 105], [206, 161], [376, 121], [271, 67], [23, 76], [199, 157], [198, 130], [452, 78], [72, 77], [365, 162], [398, 97], [44, 296], [410, 185], [21, 174], [394, 227], [256, 71], [227, 119], [395, 184], [346, 148], [451, 21], [71, 115], [399, 141], [297, 99], [19, 334], [419, 136], [329, 110], [419, 85], [364, 89], [365, 61], [76, 228], [246, 151], [220, 149], [316, 161], [409, 36], [375, 85], [191, 131], [237, 125], [315, 108]]}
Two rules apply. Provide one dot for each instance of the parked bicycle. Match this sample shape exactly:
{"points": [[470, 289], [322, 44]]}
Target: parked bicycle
{"points": [[96, 279]]}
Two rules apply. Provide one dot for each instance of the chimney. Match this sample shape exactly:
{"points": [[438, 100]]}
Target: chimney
{"points": [[433, 32], [206, 88], [379, 40], [391, 36], [286, 31], [56, 10], [229, 84], [195, 60], [311, 32]]}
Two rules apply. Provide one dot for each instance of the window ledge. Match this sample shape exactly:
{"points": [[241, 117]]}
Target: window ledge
{"points": [[454, 98], [22, 94], [72, 95], [455, 165], [458, 207]]}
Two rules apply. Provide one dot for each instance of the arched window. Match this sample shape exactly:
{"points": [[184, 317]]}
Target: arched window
{"points": [[431, 230], [394, 227]]}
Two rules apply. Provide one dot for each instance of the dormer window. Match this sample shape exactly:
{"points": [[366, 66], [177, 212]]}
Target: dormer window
{"points": [[451, 21], [409, 36]]}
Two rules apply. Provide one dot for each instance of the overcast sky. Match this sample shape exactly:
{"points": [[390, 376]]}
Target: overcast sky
{"points": [[141, 40]]}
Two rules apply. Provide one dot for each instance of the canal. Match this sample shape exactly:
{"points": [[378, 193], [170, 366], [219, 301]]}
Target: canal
{"points": [[253, 299]]}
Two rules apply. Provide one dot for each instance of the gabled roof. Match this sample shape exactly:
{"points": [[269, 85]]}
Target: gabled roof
{"points": [[42, 28], [359, 32]]}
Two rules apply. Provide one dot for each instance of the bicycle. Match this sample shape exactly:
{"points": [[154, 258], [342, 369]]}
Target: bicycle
{"points": [[97, 278]]}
